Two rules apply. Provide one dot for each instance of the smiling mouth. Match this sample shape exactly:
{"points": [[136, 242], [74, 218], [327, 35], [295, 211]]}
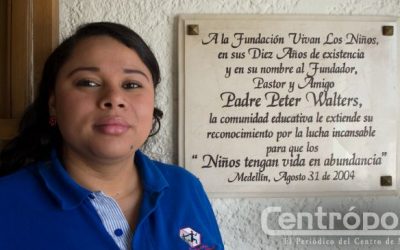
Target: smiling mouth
{"points": [[112, 129], [111, 126]]}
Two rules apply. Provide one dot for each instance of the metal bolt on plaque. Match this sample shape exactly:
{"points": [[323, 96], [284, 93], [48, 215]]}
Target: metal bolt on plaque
{"points": [[387, 30], [386, 181], [193, 30]]}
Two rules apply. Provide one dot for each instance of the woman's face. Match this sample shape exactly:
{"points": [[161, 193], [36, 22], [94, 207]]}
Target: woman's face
{"points": [[103, 101]]}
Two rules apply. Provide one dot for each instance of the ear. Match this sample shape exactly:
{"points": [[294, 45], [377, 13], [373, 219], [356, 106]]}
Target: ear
{"points": [[52, 104]]}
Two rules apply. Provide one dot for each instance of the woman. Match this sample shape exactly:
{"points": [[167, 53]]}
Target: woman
{"points": [[74, 177]]}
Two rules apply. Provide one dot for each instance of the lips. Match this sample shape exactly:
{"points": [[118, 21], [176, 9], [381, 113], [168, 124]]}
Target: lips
{"points": [[111, 125]]}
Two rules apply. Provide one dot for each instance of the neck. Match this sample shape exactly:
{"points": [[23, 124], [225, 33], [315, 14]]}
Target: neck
{"points": [[116, 179]]}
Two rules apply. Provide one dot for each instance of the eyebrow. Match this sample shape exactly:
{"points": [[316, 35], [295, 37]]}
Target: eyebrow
{"points": [[96, 69], [135, 71], [92, 69]]}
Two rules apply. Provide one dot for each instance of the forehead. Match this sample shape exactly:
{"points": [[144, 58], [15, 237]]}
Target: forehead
{"points": [[103, 50], [105, 53], [101, 46]]}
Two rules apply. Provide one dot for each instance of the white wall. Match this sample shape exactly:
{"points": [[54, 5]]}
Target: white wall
{"points": [[156, 22]]}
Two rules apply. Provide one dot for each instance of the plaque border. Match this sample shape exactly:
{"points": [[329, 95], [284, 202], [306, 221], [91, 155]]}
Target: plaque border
{"points": [[190, 19]]}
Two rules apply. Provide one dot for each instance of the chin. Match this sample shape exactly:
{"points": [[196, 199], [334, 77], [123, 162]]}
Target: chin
{"points": [[114, 152]]}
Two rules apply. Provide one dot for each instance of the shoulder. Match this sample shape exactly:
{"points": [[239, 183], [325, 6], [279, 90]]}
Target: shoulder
{"points": [[156, 174], [18, 181], [183, 186], [20, 188], [176, 175]]}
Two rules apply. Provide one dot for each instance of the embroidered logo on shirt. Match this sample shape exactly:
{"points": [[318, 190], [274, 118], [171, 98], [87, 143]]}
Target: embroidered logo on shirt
{"points": [[190, 236]]}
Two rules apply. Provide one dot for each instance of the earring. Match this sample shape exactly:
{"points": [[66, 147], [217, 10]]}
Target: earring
{"points": [[52, 121]]}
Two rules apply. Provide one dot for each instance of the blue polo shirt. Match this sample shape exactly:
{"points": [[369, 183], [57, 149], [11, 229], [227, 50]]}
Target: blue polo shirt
{"points": [[42, 207]]}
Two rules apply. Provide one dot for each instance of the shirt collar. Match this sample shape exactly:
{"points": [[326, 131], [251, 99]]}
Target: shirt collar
{"points": [[151, 177], [153, 182], [70, 194], [67, 192]]}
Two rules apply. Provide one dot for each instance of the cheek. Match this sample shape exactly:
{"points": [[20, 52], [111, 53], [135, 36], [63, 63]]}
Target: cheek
{"points": [[148, 107], [144, 107], [70, 109]]}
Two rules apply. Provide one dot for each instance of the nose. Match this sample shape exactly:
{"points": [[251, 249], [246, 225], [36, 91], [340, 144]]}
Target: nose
{"points": [[112, 99]]}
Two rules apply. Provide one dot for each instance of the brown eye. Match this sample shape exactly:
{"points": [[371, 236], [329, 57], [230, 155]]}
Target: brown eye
{"points": [[87, 83], [131, 85]]}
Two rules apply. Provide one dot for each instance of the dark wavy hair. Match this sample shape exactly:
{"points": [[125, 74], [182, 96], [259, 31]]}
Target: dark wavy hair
{"points": [[36, 137]]}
